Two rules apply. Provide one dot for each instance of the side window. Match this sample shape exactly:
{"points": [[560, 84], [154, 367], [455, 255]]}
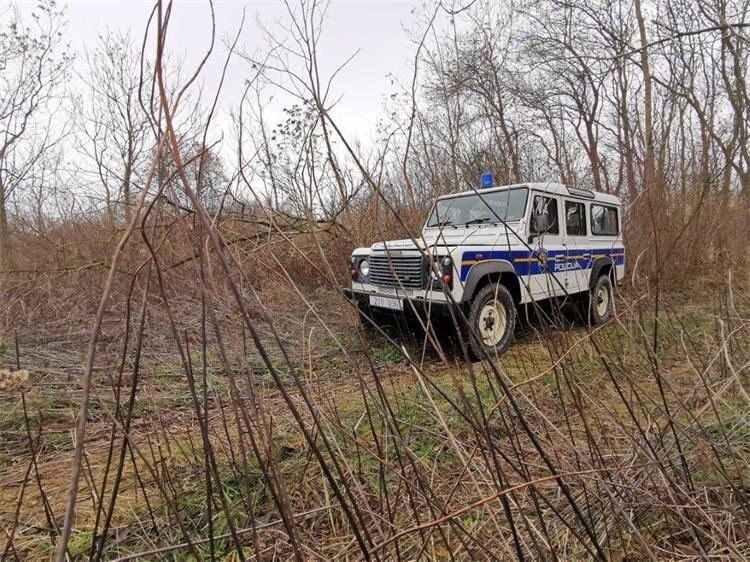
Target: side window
{"points": [[544, 216], [604, 221], [575, 218]]}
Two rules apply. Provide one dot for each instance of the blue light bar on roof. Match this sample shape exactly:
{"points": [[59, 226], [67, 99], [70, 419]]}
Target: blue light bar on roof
{"points": [[487, 180]]}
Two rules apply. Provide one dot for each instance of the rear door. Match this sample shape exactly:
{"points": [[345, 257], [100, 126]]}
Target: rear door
{"points": [[579, 249], [606, 234]]}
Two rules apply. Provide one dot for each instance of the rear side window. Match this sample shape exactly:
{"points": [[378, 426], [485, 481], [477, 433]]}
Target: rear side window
{"points": [[604, 221], [544, 216], [575, 218]]}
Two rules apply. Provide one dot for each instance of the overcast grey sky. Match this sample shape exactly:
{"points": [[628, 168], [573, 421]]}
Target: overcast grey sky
{"points": [[374, 27]]}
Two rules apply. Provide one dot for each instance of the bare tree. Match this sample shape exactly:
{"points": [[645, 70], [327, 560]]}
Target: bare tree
{"points": [[33, 62], [115, 125]]}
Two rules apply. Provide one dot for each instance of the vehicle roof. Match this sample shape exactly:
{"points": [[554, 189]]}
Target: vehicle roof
{"points": [[548, 187]]}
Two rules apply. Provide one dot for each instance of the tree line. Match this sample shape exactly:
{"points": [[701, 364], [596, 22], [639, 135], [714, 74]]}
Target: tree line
{"points": [[644, 99]]}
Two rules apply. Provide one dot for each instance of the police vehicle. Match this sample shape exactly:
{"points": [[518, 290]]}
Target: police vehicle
{"points": [[491, 250]]}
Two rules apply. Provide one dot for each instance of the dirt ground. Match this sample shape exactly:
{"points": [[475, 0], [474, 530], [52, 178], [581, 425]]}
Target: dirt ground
{"points": [[345, 376]]}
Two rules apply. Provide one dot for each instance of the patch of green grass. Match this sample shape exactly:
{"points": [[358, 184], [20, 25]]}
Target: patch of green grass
{"points": [[238, 491], [387, 354], [427, 449], [80, 544], [469, 522], [730, 421]]}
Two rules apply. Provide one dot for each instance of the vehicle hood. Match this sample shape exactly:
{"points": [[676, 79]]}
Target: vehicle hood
{"points": [[450, 237]]}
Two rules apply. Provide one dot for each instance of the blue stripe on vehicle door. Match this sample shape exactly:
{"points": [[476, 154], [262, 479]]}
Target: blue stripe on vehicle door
{"points": [[526, 263]]}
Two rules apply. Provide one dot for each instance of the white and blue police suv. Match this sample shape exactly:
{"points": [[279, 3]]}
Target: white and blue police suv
{"points": [[488, 251]]}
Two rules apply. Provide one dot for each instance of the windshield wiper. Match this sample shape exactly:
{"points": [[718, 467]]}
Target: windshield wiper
{"points": [[480, 220], [438, 224]]}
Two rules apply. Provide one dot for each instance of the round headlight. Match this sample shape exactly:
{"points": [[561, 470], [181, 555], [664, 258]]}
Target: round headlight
{"points": [[364, 268], [447, 262]]}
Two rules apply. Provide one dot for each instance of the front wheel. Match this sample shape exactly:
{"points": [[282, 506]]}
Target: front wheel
{"points": [[601, 300], [492, 320]]}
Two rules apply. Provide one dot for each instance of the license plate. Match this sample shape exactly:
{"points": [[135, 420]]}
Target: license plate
{"points": [[387, 302]]}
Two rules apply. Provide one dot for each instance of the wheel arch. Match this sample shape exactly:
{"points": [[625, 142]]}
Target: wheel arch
{"points": [[492, 271], [602, 266]]}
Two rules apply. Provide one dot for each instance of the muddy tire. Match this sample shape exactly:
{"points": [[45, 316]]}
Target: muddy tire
{"points": [[492, 320], [601, 300]]}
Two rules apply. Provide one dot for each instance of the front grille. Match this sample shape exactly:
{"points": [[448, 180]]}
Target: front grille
{"points": [[397, 271]]}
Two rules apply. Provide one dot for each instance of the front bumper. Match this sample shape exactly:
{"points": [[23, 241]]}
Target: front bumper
{"points": [[421, 302]]}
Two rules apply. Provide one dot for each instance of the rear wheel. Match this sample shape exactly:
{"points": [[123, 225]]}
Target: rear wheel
{"points": [[492, 320], [601, 300]]}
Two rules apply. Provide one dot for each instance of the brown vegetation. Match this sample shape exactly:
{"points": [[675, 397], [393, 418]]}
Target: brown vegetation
{"points": [[198, 387]]}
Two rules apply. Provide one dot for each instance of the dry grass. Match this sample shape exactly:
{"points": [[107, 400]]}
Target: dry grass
{"points": [[192, 384], [427, 450]]}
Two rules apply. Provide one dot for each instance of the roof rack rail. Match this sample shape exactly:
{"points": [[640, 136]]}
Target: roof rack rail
{"points": [[580, 192]]}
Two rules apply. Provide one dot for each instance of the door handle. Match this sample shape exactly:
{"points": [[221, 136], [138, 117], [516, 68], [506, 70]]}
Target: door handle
{"points": [[586, 256], [559, 257]]}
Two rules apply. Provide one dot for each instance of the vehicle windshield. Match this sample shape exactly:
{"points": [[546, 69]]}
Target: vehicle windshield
{"points": [[507, 205]]}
